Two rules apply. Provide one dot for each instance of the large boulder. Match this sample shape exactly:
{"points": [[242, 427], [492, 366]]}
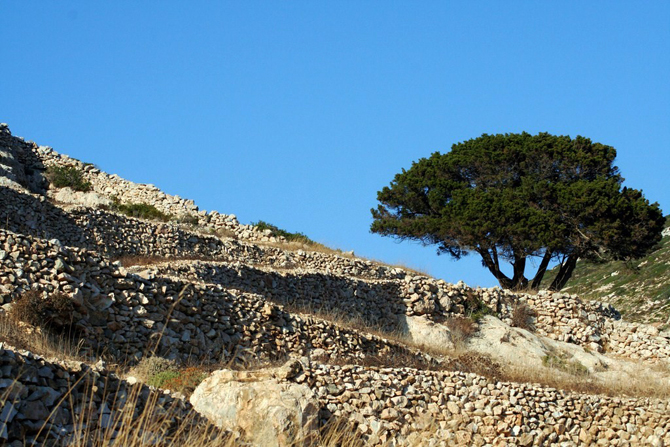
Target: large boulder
{"points": [[518, 346], [425, 332], [261, 406]]}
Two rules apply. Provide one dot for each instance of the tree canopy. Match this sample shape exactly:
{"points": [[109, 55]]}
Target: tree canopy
{"points": [[515, 197]]}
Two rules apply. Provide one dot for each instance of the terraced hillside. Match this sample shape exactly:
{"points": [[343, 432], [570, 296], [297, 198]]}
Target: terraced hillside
{"points": [[639, 289], [131, 317]]}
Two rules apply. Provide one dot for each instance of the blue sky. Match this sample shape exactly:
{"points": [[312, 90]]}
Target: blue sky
{"points": [[297, 113]]}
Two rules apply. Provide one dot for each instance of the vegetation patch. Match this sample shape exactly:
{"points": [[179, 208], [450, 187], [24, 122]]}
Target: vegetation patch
{"points": [[475, 307], [560, 360], [67, 177], [278, 232], [188, 219], [523, 316], [164, 373], [142, 211], [461, 329], [56, 309]]}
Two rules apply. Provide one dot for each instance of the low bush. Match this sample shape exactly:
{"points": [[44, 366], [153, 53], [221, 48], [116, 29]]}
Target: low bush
{"points": [[159, 380], [56, 309], [142, 211], [164, 373], [188, 219], [67, 176], [278, 232], [475, 307], [149, 367], [186, 380], [560, 360], [523, 316]]}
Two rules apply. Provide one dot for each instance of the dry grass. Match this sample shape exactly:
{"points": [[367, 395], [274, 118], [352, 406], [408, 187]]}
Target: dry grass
{"points": [[461, 329], [136, 418], [54, 311], [523, 316], [644, 384], [39, 340]]}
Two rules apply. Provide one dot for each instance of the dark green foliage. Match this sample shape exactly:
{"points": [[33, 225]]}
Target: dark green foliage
{"points": [[513, 197], [640, 290], [142, 211], [475, 308], [67, 176], [276, 232], [158, 380]]}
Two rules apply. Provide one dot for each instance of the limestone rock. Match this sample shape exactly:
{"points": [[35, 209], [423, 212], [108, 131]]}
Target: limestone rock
{"points": [[89, 199], [428, 333], [264, 409]]}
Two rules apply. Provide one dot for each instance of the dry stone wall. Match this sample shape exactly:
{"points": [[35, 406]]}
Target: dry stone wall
{"points": [[117, 235], [131, 316], [19, 164], [400, 404], [125, 191], [43, 401], [311, 284]]}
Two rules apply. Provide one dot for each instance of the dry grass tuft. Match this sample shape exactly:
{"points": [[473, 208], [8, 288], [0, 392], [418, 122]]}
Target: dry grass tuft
{"points": [[461, 329], [39, 340], [54, 310], [523, 316]]}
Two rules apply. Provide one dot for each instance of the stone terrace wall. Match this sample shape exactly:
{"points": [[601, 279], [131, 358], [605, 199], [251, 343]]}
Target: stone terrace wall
{"points": [[19, 164], [130, 316], [41, 396], [337, 283], [560, 316], [117, 235], [111, 185], [470, 410]]}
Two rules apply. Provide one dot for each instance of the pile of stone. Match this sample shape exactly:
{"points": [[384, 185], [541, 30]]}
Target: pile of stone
{"points": [[57, 402], [107, 297], [466, 409], [132, 315]]}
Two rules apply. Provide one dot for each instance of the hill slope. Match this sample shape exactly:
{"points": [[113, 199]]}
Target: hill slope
{"points": [[639, 290], [110, 272]]}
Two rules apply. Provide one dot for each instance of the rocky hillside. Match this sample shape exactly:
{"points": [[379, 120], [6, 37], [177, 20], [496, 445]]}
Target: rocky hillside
{"points": [[639, 289], [132, 317]]}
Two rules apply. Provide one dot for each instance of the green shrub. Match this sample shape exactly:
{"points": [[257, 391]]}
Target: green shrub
{"points": [[278, 232], [67, 176], [149, 367], [141, 211], [158, 380], [475, 307], [186, 380]]}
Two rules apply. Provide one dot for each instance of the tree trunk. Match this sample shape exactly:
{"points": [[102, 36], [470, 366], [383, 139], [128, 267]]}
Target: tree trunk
{"points": [[505, 282], [537, 280], [564, 273], [519, 280]]}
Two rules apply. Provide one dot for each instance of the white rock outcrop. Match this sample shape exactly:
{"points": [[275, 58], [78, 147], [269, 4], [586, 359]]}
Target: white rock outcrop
{"points": [[425, 332], [260, 406]]}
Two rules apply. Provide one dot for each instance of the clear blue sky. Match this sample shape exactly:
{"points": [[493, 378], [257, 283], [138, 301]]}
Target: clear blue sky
{"points": [[297, 113]]}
